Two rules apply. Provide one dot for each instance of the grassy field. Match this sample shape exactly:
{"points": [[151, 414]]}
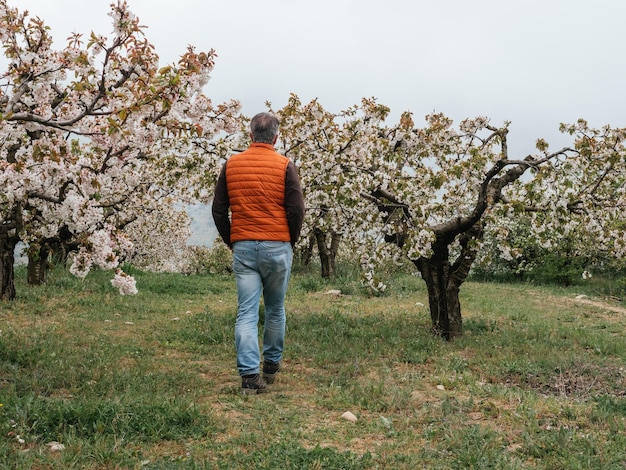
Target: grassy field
{"points": [[91, 379]]}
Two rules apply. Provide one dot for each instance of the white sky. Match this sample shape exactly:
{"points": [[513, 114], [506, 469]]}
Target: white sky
{"points": [[536, 63]]}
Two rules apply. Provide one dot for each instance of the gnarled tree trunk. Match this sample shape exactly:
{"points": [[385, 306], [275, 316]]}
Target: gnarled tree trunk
{"points": [[443, 281], [443, 299]]}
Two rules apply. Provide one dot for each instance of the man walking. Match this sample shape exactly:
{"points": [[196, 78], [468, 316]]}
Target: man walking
{"points": [[262, 190]]}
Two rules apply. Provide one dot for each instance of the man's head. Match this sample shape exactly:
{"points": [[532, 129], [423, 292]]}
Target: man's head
{"points": [[264, 128]]}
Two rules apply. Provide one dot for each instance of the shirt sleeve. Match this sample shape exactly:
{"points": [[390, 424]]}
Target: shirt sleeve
{"points": [[294, 202], [220, 208]]}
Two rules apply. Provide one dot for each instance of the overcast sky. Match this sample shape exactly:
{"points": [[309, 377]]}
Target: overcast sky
{"points": [[536, 63]]}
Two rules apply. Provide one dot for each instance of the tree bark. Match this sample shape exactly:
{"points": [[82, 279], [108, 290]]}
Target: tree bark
{"points": [[38, 266], [327, 253], [306, 253], [444, 279], [443, 295], [7, 263]]}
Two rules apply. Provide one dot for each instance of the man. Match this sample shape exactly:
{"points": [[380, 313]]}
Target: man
{"points": [[262, 190]]}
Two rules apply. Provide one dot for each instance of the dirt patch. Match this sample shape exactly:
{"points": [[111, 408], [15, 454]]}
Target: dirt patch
{"points": [[599, 304], [580, 300], [601, 309], [591, 380], [583, 381]]}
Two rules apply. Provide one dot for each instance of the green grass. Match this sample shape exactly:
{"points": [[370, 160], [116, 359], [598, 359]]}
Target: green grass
{"points": [[149, 381]]}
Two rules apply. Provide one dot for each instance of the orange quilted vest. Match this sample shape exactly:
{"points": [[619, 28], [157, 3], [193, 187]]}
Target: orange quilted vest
{"points": [[256, 191]]}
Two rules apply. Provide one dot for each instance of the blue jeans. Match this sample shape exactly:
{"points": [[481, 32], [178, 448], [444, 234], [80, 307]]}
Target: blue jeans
{"points": [[261, 267]]}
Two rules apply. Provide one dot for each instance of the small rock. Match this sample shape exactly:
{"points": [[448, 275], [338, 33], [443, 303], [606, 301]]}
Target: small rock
{"points": [[349, 417], [440, 387], [55, 446], [333, 292]]}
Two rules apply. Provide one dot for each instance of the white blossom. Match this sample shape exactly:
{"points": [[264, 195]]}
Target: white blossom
{"points": [[125, 283]]}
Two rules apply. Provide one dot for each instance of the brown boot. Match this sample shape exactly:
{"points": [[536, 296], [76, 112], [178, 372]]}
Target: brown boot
{"points": [[270, 370], [253, 384]]}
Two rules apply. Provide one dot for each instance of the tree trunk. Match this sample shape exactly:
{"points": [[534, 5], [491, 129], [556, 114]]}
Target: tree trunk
{"points": [[7, 263], [306, 253], [443, 299], [61, 246], [328, 254], [38, 266], [443, 280], [443, 293]]}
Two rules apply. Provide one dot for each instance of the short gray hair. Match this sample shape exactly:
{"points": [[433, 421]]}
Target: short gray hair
{"points": [[264, 127]]}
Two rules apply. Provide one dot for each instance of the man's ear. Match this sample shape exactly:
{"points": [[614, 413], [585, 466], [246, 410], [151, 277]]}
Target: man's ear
{"points": [[251, 136], [275, 139]]}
